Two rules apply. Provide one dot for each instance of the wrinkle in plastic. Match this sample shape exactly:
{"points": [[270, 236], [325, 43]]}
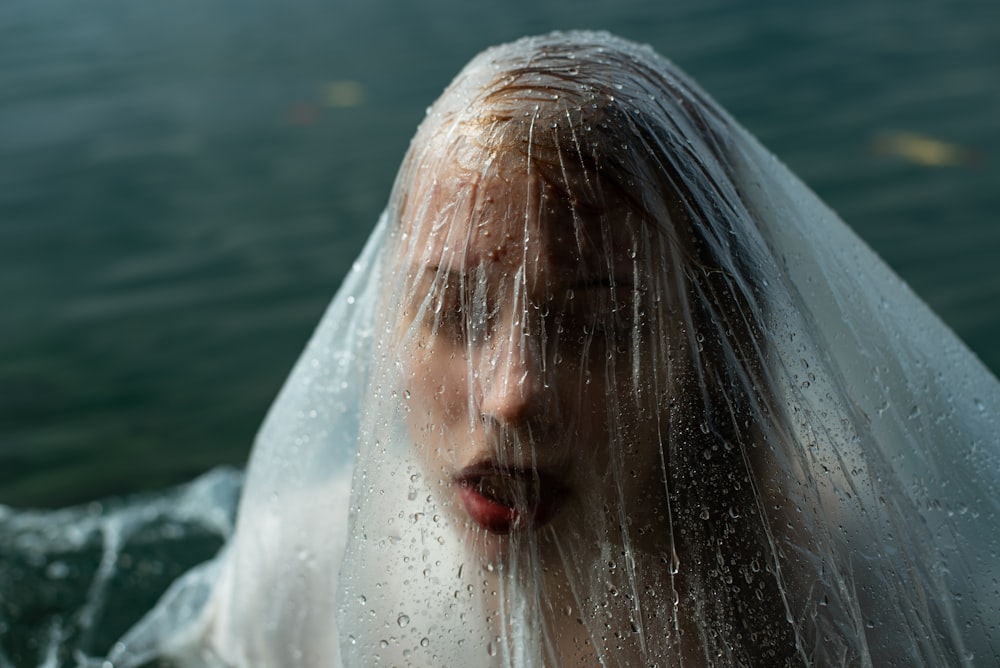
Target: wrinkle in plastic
{"points": [[622, 391]]}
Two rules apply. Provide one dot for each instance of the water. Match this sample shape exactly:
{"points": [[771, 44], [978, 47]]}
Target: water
{"points": [[183, 185], [72, 581]]}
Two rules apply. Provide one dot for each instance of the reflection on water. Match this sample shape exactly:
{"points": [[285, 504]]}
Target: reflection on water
{"points": [[925, 151]]}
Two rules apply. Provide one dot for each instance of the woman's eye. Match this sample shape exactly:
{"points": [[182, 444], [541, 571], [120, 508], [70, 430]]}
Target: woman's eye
{"points": [[449, 316], [459, 320], [450, 322], [597, 327], [477, 327]]}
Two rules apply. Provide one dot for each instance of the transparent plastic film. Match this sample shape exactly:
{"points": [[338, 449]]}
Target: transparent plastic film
{"points": [[599, 393], [623, 392]]}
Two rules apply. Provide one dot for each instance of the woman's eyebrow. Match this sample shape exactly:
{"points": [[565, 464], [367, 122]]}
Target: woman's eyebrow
{"points": [[451, 276], [438, 278]]}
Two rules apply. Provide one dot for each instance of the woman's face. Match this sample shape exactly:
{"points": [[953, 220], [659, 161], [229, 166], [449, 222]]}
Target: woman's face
{"points": [[527, 356]]}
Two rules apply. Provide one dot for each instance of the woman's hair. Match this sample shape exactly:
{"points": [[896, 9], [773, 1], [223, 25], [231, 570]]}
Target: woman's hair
{"points": [[607, 125]]}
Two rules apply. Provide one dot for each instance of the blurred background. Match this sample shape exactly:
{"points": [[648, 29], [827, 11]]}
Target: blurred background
{"points": [[184, 184]]}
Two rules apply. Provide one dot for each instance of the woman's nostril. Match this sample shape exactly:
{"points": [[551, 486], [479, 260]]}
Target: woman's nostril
{"points": [[514, 386]]}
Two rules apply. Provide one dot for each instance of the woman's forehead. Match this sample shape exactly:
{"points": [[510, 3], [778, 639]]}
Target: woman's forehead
{"points": [[460, 220]]}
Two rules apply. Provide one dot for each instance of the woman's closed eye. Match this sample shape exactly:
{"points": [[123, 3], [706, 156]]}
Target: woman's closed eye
{"points": [[597, 315], [460, 309], [460, 314]]}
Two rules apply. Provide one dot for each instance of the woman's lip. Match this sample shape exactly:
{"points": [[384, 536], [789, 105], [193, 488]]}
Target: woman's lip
{"points": [[502, 518]]}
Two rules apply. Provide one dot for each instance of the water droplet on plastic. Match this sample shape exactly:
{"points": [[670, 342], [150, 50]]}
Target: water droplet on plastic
{"points": [[675, 562]]}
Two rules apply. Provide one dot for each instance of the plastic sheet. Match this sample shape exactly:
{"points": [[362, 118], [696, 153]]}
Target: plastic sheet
{"points": [[610, 386]]}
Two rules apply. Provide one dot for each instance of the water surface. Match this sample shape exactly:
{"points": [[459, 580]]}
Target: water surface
{"points": [[183, 185]]}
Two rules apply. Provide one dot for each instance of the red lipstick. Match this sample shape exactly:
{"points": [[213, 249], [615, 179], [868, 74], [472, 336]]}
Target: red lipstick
{"points": [[502, 500]]}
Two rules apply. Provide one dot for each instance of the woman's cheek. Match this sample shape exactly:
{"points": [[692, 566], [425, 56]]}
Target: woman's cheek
{"points": [[455, 391], [438, 386]]}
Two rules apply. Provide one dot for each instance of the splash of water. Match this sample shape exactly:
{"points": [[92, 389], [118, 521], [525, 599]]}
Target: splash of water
{"points": [[73, 580]]}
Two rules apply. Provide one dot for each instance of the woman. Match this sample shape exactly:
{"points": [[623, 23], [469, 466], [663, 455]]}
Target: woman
{"points": [[623, 392]]}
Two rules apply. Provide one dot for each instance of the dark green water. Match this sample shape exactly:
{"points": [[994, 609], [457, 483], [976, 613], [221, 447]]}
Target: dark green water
{"points": [[181, 189], [184, 184]]}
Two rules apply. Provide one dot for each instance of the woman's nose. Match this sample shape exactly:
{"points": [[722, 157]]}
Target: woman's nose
{"points": [[513, 375]]}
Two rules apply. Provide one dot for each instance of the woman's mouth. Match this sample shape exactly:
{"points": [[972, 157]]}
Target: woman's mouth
{"points": [[503, 500]]}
